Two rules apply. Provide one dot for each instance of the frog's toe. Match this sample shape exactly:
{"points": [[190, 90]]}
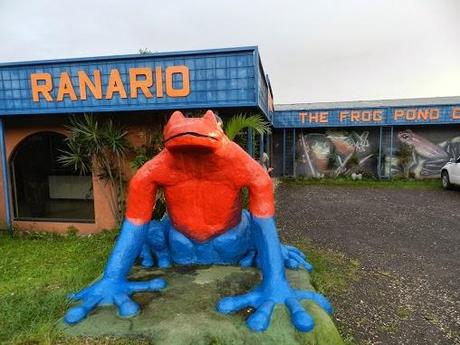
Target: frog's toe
{"points": [[79, 312], [294, 258], [164, 260], [126, 306], [300, 318], [233, 304], [146, 257], [149, 285], [315, 297], [260, 319], [248, 260]]}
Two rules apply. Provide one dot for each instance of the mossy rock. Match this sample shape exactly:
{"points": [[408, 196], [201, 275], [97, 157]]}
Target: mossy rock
{"points": [[184, 313]]}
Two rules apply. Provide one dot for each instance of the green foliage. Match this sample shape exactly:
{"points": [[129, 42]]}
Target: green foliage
{"points": [[332, 160], [99, 145], [405, 158], [238, 123], [367, 183], [147, 151]]}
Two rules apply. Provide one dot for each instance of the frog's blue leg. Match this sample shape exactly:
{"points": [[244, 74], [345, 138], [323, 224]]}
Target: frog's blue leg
{"points": [[274, 287], [113, 287]]}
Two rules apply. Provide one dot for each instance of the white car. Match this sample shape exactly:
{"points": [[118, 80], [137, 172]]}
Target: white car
{"points": [[450, 173]]}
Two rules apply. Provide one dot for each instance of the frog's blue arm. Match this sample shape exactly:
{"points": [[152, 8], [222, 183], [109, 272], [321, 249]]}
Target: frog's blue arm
{"points": [[113, 287], [274, 287]]}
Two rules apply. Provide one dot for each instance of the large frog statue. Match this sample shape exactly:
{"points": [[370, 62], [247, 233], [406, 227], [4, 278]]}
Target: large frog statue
{"points": [[202, 174]]}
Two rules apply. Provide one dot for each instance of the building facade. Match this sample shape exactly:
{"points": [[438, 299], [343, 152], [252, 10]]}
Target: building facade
{"points": [[37, 100], [383, 139]]}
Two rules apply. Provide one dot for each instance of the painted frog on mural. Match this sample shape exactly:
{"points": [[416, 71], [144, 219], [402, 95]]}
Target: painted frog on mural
{"points": [[202, 174]]}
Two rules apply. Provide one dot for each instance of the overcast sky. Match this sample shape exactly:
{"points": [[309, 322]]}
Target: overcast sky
{"points": [[313, 50]]}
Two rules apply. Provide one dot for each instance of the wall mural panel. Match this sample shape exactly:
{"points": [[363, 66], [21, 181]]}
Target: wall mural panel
{"points": [[416, 152], [430, 150], [336, 152]]}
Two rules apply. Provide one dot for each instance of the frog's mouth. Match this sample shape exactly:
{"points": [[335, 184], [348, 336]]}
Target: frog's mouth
{"points": [[193, 134]]}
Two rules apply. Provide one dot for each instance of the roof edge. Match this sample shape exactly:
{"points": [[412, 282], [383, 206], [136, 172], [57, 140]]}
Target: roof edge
{"points": [[398, 102], [131, 56]]}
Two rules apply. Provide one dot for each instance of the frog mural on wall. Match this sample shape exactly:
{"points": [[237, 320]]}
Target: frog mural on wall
{"points": [[202, 174], [331, 153], [427, 157]]}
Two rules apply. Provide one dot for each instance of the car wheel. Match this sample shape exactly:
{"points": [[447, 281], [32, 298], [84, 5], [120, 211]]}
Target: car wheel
{"points": [[445, 180]]}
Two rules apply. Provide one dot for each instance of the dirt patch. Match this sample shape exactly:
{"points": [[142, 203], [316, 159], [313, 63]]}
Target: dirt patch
{"points": [[408, 242]]}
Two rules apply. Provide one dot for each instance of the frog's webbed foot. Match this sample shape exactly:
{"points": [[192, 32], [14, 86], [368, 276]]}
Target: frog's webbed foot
{"points": [[108, 292], [293, 258], [264, 301]]}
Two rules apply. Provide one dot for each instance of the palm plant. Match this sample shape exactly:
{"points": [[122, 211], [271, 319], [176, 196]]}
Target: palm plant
{"points": [[238, 123], [99, 146]]}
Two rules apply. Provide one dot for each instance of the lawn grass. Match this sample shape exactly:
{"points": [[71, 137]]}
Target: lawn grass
{"points": [[38, 270], [431, 184], [333, 275]]}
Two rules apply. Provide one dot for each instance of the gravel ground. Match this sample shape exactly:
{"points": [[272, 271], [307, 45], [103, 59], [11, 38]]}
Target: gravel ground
{"points": [[408, 243]]}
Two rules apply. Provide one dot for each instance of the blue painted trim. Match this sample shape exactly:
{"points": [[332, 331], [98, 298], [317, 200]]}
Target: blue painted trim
{"points": [[119, 108], [132, 56], [5, 175], [256, 80], [289, 118]]}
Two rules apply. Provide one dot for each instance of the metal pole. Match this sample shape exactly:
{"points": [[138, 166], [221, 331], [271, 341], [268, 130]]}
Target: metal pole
{"points": [[250, 143], [379, 163], [267, 145], [284, 152], [261, 145], [269, 150], [391, 151], [293, 151], [6, 180]]}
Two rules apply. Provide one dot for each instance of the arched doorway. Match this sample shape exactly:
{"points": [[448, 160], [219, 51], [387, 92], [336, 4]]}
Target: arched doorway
{"points": [[45, 190]]}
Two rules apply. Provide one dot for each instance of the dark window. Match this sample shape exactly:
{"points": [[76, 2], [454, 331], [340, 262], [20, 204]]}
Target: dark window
{"points": [[45, 190]]}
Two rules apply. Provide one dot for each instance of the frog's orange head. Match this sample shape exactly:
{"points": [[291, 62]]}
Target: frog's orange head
{"points": [[203, 133]]}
